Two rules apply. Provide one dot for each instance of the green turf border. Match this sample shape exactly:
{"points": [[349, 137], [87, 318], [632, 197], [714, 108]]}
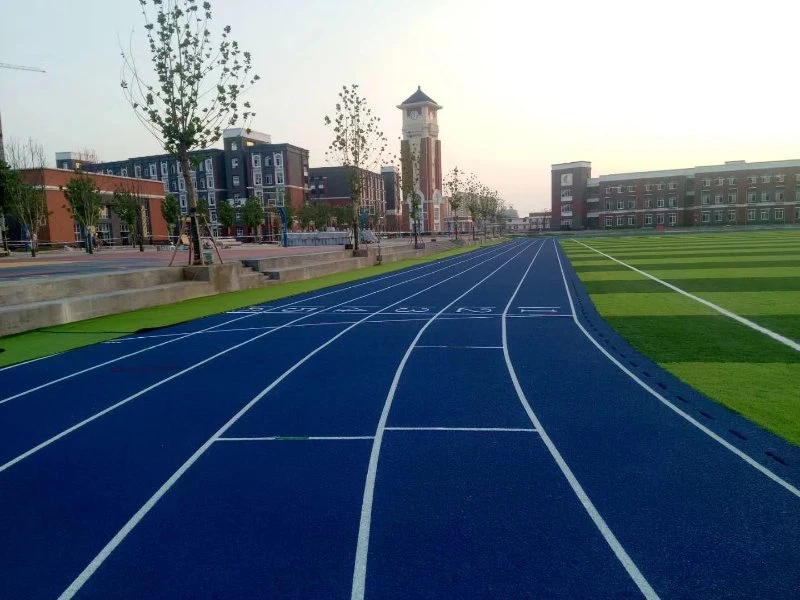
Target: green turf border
{"points": [[46, 341]]}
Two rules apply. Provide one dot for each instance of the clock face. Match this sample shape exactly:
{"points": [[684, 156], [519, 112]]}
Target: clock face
{"points": [[414, 114]]}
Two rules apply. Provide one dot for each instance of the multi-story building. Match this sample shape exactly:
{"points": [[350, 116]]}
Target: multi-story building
{"points": [[394, 198], [249, 165], [734, 193], [330, 185]]}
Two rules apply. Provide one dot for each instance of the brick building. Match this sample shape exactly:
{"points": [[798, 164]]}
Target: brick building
{"points": [[734, 193], [61, 228], [421, 137], [248, 165], [330, 185]]}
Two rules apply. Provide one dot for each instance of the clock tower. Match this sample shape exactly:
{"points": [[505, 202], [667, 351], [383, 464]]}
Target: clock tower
{"points": [[421, 140]]}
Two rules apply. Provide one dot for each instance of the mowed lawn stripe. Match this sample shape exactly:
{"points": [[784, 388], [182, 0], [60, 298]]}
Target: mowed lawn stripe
{"points": [[706, 349]]}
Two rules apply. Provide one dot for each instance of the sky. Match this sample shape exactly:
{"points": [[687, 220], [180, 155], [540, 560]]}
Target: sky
{"points": [[627, 85]]}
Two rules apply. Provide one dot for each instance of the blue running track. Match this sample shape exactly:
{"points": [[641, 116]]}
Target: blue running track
{"points": [[467, 428]]}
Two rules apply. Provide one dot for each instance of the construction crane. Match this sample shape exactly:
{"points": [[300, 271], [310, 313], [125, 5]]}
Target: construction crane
{"points": [[3, 238]]}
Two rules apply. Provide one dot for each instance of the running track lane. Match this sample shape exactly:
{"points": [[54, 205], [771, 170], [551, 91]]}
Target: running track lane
{"points": [[61, 505]]}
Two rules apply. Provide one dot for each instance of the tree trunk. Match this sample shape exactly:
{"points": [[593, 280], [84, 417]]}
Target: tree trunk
{"points": [[356, 203], [197, 249]]}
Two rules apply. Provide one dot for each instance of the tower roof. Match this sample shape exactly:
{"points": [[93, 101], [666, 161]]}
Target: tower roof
{"points": [[419, 97]]}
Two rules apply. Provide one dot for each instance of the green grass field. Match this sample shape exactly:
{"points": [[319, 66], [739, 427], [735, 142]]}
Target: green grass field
{"points": [[753, 274], [52, 340]]}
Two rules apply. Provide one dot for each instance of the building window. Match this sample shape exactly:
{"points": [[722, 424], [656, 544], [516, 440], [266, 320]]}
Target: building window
{"points": [[181, 184], [566, 193], [211, 199], [153, 170], [278, 160], [706, 183], [751, 197], [256, 161], [648, 202], [566, 208], [705, 217], [631, 220], [609, 203], [720, 180], [234, 163], [705, 198], [780, 178], [717, 198], [631, 203], [234, 146], [213, 214], [631, 188], [620, 203], [239, 232], [257, 178], [672, 185], [137, 171], [267, 161], [110, 171], [797, 213], [180, 168], [183, 200], [279, 178], [751, 214], [269, 179], [210, 182], [765, 196], [659, 186], [620, 221], [765, 178], [124, 172], [779, 214], [235, 180], [648, 219], [752, 180], [718, 216], [732, 216], [201, 185], [732, 197], [259, 194], [765, 214], [797, 195], [673, 201], [173, 169], [660, 219], [609, 221], [660, 202], [209, 165], [673, 218], [648, 187], [779, 196], [731, 180]]}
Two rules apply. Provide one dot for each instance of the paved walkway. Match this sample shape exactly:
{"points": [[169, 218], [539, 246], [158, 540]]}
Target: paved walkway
{"points": [[78, 262]]}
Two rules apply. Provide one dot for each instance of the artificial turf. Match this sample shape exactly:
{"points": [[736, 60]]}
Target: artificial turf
{"points": [[52, 340], [753, 274]]}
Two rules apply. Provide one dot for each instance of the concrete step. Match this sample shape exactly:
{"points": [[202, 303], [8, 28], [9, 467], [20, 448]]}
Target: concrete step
{"points": [[42, 290], [24, 317], [276, 262]]}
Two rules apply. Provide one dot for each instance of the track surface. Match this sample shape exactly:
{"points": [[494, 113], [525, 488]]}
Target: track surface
{"points": [[447, 431]]}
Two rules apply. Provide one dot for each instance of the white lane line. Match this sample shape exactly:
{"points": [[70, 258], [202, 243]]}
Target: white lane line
{"points": [[106, 551], [289, 438], [746, 322], [602, 526], [746, 458], [464, 347], [27, 362], [315, 296], [362, 549], [482, 429]]}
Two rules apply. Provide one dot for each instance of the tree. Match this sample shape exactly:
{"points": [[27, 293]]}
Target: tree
{"points": [[226, 215], [453, 183], [85, 203], [408, 174], [198, 85], [7, 179], [358, 145], [203, 210], [171, 211], [26, 203], [253, 214], [129, 208]]}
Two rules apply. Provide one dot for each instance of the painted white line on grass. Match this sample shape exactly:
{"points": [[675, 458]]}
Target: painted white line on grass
{"points": [[106, 551], [149, 388], [748, 323], [746, 458], [362, 549], [314, 297], [289, 438], [481, 429], [594, 514]]}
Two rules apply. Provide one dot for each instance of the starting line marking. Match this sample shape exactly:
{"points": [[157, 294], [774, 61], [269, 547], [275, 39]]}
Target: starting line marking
{"points": [[295, 438], [481, 429]]}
